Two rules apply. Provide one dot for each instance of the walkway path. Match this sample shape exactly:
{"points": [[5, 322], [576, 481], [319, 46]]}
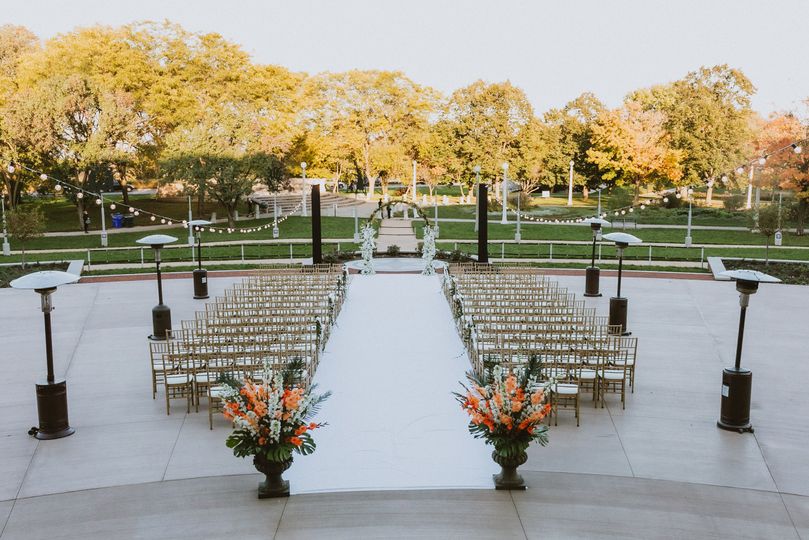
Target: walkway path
{"points": [[397, 232], [391, 364]]}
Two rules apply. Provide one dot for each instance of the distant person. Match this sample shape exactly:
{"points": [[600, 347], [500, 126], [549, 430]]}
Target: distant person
{"points": [[86, 222], [388, 211], [379, 209]]}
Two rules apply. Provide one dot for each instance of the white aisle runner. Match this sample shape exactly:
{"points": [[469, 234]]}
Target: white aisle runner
{"points": [[391, 363]]}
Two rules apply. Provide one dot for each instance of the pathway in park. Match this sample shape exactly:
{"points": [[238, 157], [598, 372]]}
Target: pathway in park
{"points": [[397, 232], [392, 362]]}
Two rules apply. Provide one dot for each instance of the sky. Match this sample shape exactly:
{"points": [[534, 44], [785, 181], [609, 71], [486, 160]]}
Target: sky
{"points": [[553, 50]]}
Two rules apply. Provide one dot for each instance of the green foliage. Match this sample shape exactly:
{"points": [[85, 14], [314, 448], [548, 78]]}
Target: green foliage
{"points": [[25, 225], [393, 250], [734, 202], [619, 198]]}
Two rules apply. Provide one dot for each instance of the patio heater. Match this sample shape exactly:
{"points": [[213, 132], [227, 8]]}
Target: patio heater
{"points": [[592, 273], [736, 381], [200, 274], [52, 393], [618, 304], [161, 314]]}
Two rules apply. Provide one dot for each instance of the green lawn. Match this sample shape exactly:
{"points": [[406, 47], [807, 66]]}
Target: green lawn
{"points": [[293, 227], [533, 231], [61, 216], [641, 253]]}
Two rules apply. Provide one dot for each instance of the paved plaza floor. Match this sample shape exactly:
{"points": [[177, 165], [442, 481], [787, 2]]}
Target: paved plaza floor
{"points": [[660, 468]]}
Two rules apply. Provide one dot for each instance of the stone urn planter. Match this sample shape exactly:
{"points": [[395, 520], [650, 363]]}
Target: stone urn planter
{"points": [[509, 478], [273, 485]]}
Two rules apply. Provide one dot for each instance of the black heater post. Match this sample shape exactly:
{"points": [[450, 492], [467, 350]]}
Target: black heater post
{"points": [[317, 248], [483, 223]]}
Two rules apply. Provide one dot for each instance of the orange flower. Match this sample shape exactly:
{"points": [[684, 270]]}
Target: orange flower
{"points": [[296, 441], [516, 406], [511, 384], [537, 397], [313, 426], [301, 430], [261, 441]]}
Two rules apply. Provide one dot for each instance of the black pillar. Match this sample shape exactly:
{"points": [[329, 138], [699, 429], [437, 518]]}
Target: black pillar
{"points": [[483, 223], [317, 248]]}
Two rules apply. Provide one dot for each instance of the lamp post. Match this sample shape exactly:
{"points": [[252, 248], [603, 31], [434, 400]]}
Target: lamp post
{"points": [[51, 393], [303, 189], [161, 314], [592, 273], [275, 232], [190, 230], [736, 381], [618, 304], [100, 202], [200, 274], [570, 186], [414, 182], [6, 246], [517, 235], [476, 170], [690, 192], [505, 194], [601, 187]]}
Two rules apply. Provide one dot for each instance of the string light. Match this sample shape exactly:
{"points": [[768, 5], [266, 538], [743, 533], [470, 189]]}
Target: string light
{"points": [[11, 168], [79, 195], [43, 177], [797, 148], [113, 206], [762, 160], [57, 187], [98, 202]]}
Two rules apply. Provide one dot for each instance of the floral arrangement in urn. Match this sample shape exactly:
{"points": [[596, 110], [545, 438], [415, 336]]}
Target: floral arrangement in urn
{"points": [[506, 410], [271, 421]]}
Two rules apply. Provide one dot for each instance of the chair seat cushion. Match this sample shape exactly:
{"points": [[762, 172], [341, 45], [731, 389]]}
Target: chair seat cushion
{"points": [[566, 389]]}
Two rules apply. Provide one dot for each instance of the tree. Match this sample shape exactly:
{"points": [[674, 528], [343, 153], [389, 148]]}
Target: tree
{"points": [[707, 119], [486, 123], [787, 169], [16, 43], [369, 112], [25, 225], [631, 147], [767, 224], [222, 158], [569, 138]]}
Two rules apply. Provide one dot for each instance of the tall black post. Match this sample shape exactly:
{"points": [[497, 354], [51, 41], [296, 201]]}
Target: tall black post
{"points": [[737, 382], [161, 313], [52, 395], [200, 275], [619, 305], [592, 273], [317, 248], [483, 223]]}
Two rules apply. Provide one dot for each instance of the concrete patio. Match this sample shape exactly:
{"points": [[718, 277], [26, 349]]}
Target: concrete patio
{"points": [[660, 468]]}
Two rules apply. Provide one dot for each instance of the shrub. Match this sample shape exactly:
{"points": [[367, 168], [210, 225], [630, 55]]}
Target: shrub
{"points": [[393, 250], [734, 203]]}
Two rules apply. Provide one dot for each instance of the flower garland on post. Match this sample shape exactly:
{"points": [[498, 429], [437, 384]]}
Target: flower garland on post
{"points": [[270, 422], [368, 246], [428, 251], [506, 409]]}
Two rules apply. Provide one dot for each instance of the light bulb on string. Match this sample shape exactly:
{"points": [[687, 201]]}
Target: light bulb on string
{"points": [[153, 218], [170, 222], [740, 170], [79, 195], [643, 207], [797, 148], [631, 210], [113, 206], [724, 179], [98, 202], [762, 160], [163, 221], [665, 199], [623, 212], [678, 196], [43, 177], [11, 168], [137, 213], [131, 209], [57, 187]]}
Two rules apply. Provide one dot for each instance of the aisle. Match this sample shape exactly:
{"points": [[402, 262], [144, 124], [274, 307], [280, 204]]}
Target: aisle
{"points": [[392, 362]]}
